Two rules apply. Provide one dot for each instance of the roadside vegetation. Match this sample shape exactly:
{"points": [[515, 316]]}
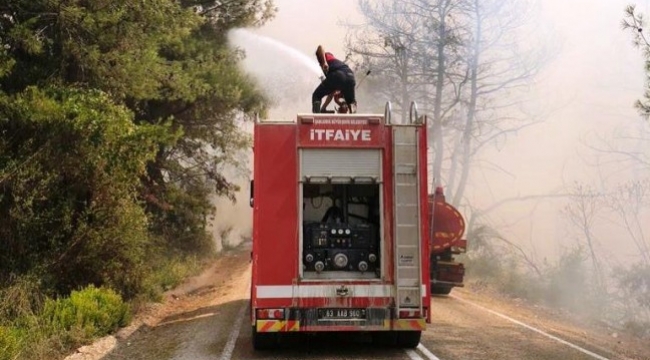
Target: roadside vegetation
{"points": [[470, 65], [586, 280], [116, 121]]}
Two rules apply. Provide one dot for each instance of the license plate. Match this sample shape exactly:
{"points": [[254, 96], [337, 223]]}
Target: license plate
{"points": [[341, 314]]}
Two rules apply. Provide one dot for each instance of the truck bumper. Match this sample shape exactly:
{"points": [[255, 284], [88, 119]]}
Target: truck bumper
{"points": [[306, 320], [448, 274], [263, 326]]}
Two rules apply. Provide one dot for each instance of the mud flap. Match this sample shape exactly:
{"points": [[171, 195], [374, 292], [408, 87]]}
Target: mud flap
{"points": [[264, 341], [408, 339], [400, 339], [384, 338]]}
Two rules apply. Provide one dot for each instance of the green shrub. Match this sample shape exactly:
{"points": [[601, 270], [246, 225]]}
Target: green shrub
{"points": [[11, 341], [22, 298], [92, 311], [169, 272], [175, 270]]}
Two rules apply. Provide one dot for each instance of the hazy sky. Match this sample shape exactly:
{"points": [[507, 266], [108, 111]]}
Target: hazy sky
{"points": [[306, 24], [588, 90]]}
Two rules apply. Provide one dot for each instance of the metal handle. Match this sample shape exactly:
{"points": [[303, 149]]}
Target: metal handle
{"points": [[342, 291], [413, 113], [388, 113]]}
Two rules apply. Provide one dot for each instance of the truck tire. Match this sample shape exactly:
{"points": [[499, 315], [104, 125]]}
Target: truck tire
{"points": [[264, 341], [384, 338], [408, 339], [441, 290]]}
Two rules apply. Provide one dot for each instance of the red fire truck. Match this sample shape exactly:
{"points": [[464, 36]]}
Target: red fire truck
{"points": [[340, 227]]}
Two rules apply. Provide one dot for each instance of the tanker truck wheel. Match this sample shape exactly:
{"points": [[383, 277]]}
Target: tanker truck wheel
{"points": [[264, 341], [408, 339]]}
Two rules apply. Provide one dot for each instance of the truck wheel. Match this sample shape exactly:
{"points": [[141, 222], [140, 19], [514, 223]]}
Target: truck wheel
{"points": [[408, 339], [441, 290], [264, 341], [384, 338]]}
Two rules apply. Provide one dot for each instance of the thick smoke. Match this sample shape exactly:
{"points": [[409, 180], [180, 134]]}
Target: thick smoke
{"points": [[286, 75]]}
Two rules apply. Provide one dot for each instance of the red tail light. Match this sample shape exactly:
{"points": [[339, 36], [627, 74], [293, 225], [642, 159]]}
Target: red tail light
{"points": [[270, 313]]}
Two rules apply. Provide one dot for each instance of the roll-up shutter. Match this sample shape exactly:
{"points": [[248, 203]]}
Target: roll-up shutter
{"points": [[340, 162]]}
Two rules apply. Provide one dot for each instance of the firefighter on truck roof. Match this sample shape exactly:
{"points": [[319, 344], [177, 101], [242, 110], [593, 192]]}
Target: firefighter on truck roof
{"points": [[338, 76], [338, 100]]}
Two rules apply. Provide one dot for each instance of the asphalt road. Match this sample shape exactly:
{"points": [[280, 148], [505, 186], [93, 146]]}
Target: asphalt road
{"points": [[459, 331], [465, 325]]}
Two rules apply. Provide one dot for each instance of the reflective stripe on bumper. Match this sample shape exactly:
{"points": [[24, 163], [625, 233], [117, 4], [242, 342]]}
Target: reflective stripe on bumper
{"points": [[294, 325], [409, 324], [277, 325]]}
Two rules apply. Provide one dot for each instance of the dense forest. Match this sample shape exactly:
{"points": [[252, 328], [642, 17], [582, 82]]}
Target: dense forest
{"points": [[116, 119]]}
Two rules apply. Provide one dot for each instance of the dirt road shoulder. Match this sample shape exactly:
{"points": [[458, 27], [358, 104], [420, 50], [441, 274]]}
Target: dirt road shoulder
{"points": [[223, 281]]}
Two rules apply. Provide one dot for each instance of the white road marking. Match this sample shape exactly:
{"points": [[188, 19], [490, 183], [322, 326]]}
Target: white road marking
{"points": [[585, 351], [426, 352], [413, 355], [230, 345], [226, 354]]}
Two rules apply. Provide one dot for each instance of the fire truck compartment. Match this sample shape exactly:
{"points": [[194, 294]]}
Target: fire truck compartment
{"points": [[341, 231], [340, 216]]}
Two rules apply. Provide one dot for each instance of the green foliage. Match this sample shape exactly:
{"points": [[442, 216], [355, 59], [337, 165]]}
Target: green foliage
{"points": [[181, 221], [234, 14], [116, 121], [22, 299], [93, 311], [63, 323], [174, 271], [11, 342], [70, 163], [163, 60], [6, 63], [110, 45], [635, 22]]}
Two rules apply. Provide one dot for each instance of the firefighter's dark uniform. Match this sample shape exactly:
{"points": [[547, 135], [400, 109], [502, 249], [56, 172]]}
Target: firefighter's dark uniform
{"points": [[338, 77]]}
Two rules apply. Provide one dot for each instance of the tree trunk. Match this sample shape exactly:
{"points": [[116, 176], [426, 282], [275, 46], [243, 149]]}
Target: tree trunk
{"points": [[436, 128], [471, 108]]}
